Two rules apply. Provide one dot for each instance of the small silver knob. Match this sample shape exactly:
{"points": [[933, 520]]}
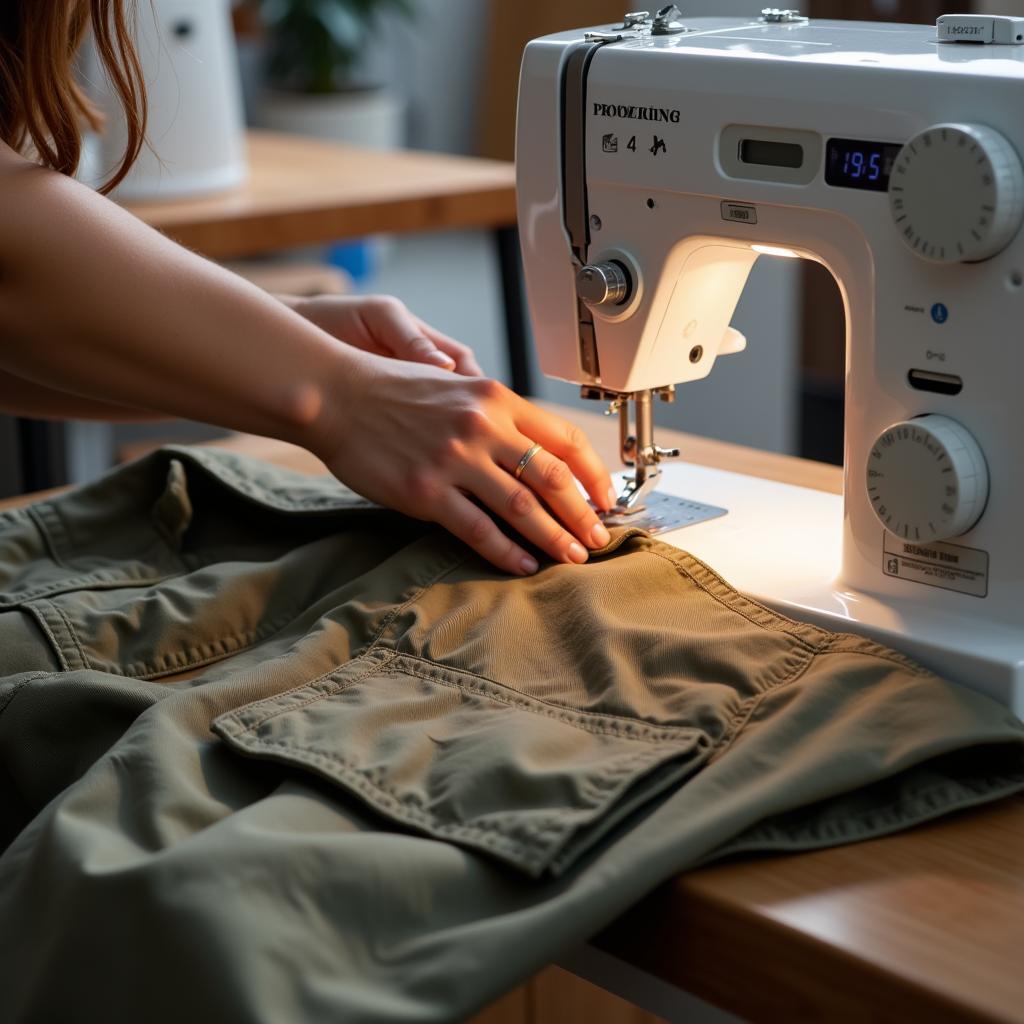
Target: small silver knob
{"points": [[603, 284], [636, 19], [666, 21], [782, 16]]}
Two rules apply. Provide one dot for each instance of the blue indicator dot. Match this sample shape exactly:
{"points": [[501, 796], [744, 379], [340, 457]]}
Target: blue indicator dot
{"points": [[939, 313]]}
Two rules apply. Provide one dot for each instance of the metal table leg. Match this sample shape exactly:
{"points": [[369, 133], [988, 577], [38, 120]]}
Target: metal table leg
{"points": [[513, 295], [42, 454]]}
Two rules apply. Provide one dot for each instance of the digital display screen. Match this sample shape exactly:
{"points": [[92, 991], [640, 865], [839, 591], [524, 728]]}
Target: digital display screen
{"points": [[771, 154], [857, 163]]}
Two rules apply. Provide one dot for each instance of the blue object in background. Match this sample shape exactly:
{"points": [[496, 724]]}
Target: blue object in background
{"points": [[358, 258], [939, 313]]}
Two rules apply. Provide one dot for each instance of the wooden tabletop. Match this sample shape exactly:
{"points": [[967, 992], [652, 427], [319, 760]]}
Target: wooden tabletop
{"points": [[926, 925], [304, 191]]}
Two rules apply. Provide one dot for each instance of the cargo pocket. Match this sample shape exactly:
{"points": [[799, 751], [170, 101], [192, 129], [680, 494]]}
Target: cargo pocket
{"points": [[464, 759]]}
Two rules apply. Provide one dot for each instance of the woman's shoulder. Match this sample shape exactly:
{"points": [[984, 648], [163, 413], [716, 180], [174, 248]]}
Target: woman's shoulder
{"points": [[10, 156]]}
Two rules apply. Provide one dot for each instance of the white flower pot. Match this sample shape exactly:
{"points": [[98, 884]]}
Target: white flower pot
{"points": [[365, 117]]}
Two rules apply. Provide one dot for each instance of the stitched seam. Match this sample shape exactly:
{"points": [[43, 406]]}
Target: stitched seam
{"points": [[245, 639], [38, 513], [37, 613], [646, 733], [235, 716], [666, 733], [370, 647], [13, 516], [93, 580], [421, 592], [859, 644], [18, 687], [888, 811], [733, 599], [848, 643], [71, 632], [778, 622], [746, 711]]}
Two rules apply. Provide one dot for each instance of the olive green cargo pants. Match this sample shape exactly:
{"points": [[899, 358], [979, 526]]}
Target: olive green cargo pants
{"points": [[270, 754]]}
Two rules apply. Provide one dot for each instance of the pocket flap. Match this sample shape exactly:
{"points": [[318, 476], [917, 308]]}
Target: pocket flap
{"points": [[465, 759]]}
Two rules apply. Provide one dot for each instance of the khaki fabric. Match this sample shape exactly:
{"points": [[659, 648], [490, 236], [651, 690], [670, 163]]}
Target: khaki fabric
{"points": [[394, 783]]}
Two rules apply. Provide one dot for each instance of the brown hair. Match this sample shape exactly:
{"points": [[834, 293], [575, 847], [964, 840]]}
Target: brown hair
{"points": [[40, 101]]}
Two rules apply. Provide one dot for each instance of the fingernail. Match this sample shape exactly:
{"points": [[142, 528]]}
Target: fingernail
{"points": [[599, 536], [613, 498], [440, 359], [577, 552], [528, 565]]}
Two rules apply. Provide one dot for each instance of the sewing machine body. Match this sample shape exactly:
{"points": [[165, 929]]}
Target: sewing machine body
{"points": [[681, 215]]}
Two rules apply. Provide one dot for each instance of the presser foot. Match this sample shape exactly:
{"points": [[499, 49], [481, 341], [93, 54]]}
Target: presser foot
{"points": [[632, 498], [636, 446]]}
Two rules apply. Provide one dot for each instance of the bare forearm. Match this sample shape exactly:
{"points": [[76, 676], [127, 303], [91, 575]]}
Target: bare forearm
{"points": [[21, 397], [96, 304]]}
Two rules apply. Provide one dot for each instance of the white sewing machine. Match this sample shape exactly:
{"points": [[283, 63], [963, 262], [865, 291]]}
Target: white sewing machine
{"points": [[658, 158]]}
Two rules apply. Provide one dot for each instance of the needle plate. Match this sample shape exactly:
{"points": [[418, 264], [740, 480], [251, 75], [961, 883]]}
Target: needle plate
{"points": [[664, 512]]}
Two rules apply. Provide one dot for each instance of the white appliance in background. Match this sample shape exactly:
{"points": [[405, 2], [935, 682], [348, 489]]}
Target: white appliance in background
{"points": [[195, 135]]}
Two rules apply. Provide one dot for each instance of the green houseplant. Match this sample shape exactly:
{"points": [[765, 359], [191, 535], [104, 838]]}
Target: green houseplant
{"points": [[315, 46], [315, 84]]}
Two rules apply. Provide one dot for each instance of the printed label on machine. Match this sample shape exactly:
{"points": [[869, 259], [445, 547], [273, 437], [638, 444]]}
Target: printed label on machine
{"points": [[949, 566]]}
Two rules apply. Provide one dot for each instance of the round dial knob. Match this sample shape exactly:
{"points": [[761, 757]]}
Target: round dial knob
{"points": [[957, 193], [603, 284], [927, 479]]}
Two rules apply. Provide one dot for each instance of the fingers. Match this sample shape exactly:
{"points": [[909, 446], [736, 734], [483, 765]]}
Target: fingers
{"points": [[568, 443], [551, 479], [402, 335], [465, 360], [475, 527], [516, 503]]}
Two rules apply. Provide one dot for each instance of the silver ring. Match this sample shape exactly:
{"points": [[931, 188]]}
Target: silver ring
{"points": [[525, 460]]}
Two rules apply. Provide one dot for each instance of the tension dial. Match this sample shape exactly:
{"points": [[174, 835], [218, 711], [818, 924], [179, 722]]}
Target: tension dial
{"points": [[956, 193], [927, 479]]}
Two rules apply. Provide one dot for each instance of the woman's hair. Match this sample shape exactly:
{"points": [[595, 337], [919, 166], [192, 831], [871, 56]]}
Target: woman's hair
{"points": [[41, 103]]}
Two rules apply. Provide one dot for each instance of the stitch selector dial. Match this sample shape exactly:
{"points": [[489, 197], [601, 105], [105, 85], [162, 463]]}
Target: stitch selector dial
{"points": [[927, 479], [956, 193]]}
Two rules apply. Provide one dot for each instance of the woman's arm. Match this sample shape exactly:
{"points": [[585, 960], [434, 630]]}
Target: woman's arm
{"points": [[22, 397], [96, 304]]}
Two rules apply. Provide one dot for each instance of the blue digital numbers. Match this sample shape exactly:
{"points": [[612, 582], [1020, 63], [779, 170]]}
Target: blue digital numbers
{"points": [[857, 163]]}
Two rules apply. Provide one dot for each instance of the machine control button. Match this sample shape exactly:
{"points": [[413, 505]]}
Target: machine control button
{"points": [[980, 28], [603, 284], [927, 479], [956, 193]]}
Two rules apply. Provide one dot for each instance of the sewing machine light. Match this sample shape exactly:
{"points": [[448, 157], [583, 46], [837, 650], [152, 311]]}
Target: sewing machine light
{"points": [[776, 250]]}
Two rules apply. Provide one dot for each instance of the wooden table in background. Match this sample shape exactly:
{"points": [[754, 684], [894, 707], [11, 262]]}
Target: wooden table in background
{"points": [[925, 925], [304, 191]]}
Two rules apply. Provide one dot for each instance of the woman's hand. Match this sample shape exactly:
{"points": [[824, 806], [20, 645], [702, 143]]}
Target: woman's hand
{"points": [[444, 448], [382, 325]]}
